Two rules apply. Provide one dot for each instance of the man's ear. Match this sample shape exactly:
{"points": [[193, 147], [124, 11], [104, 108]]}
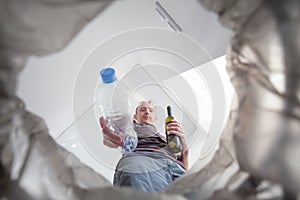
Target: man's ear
{"points": [[135, 116]]}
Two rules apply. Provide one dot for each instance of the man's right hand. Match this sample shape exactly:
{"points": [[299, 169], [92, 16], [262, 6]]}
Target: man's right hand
{"points": [[110, 138]]}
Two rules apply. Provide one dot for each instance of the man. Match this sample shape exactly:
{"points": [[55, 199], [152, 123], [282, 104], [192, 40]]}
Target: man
{"points": [[150, 167]]}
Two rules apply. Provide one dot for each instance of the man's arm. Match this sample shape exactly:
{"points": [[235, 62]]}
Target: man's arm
{"points": [[184, 159]]}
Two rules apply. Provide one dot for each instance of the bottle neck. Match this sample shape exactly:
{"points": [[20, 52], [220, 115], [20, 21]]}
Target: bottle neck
{"points": [[169, 111]]}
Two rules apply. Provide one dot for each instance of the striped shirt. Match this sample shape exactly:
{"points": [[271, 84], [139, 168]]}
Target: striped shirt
{"points": [[151, 143]]}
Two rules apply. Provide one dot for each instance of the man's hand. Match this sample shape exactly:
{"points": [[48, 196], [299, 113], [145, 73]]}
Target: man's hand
{"points": [[174, 127], [110, 138]]}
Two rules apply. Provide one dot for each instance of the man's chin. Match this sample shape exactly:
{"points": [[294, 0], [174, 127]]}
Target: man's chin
{"points": [[147, 122]]}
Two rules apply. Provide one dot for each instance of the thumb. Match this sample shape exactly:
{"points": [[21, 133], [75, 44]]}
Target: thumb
{"points": [[102, 122]]}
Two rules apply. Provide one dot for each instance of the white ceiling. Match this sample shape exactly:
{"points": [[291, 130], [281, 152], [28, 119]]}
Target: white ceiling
{"points": [[156, 62]]}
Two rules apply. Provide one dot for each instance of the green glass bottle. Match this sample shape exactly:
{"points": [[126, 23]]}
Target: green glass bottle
{"points": [[173, 141]]}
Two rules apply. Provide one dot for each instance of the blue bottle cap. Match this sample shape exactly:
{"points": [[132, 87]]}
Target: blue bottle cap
{"points": [[108, 75]]}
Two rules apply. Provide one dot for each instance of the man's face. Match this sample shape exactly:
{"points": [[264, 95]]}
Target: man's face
{"points": [[145, 114]]}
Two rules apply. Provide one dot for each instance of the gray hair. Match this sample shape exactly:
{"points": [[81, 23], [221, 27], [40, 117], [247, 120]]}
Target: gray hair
{"points": [[142, 102]]}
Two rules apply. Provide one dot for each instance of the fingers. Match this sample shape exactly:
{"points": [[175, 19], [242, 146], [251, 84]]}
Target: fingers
{"points": [[174, 127], [110, 138]]}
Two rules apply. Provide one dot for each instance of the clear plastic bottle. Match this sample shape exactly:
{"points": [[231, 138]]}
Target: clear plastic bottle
{"points": [[113, 98]]}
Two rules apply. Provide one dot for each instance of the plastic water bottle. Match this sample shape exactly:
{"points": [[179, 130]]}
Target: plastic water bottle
{"points": [[113, 98]]}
